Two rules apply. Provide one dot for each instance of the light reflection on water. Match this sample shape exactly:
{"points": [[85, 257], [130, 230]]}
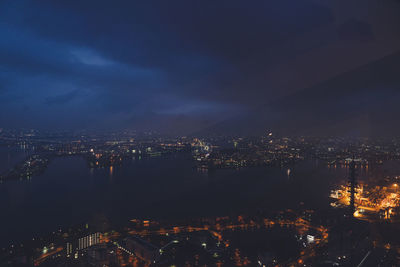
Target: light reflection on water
{"points": [[69, 192], [9, 156]]}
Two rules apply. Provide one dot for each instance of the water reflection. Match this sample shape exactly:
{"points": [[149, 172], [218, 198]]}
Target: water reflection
{"points": [[111, 172], [160, 188]]}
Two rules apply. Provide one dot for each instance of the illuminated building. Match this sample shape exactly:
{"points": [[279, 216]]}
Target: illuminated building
{"points": [[88, 241], [68, 249]]}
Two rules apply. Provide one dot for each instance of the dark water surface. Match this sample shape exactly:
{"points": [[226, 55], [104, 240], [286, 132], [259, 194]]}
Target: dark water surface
{"points": [[69, 193], [9, 156]]}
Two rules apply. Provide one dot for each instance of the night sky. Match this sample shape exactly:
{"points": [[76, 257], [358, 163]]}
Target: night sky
{"points": [[186, 66]]}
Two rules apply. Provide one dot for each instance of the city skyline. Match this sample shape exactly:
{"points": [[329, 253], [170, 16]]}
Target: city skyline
{"points": [[177, 133]]}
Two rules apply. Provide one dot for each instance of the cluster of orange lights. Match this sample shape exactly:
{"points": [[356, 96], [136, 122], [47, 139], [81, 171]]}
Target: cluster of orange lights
{"points": [[217, 227], [373, 199]]}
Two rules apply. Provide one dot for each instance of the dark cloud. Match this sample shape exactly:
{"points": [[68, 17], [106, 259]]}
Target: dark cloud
{"points": [[356, 30], [361, 102], [177, 61], [61, 99]]}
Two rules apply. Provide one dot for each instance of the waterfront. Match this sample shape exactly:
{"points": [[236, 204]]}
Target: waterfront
{"points": [[70, 193]]}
